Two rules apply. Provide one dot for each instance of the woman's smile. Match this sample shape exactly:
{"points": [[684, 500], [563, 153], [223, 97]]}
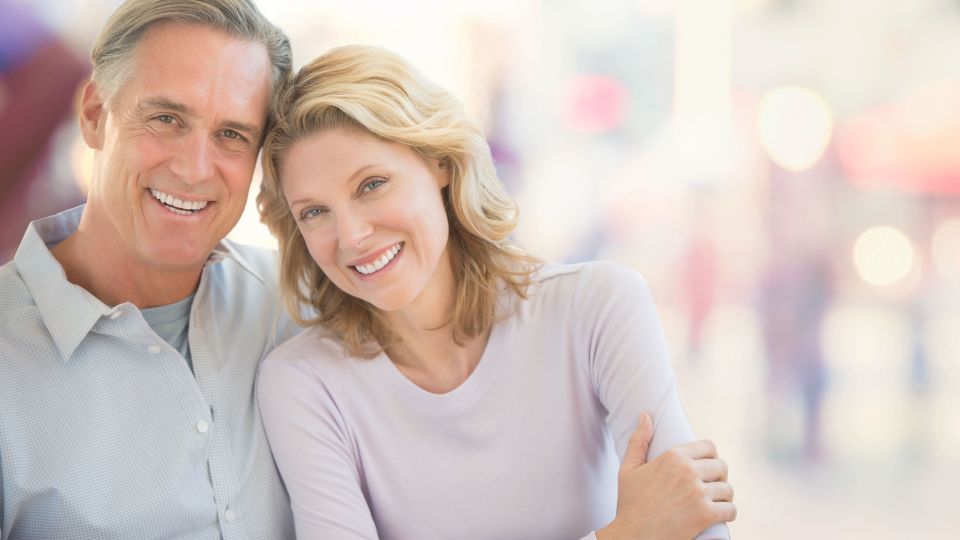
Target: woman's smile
{"points": [[375, 266]]}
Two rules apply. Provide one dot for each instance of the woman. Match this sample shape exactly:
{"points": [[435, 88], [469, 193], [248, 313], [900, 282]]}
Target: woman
{"points": [[452, 386]]}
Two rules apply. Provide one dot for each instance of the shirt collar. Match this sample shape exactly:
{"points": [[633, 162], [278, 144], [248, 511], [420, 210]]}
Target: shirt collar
{"points": [[69, 311], [226, 250]]}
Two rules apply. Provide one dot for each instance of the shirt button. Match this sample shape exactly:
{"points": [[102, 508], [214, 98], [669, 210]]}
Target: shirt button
{"points": [[202, 426], [154, 349], [116, 314], [229, 515]]}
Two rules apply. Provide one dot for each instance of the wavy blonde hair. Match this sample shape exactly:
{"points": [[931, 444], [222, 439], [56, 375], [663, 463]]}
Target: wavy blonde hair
{"points": [[374, 90]]}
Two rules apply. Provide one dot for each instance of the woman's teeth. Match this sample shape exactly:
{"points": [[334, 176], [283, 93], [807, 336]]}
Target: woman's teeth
{"points": [[388, 255], [184, 208]]}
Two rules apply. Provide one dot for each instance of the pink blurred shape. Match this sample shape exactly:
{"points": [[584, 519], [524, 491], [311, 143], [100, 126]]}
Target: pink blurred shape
{"points": [[595, 104], [912, 145]]}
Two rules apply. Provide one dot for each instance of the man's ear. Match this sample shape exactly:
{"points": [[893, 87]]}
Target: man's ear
{"points": [[93, 115]]}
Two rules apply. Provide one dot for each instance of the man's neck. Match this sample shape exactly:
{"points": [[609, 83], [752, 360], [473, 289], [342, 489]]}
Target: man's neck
{"points": [[115, 279]]}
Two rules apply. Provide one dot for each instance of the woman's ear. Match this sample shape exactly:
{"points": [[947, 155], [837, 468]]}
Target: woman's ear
{"points": [[443, 172]]}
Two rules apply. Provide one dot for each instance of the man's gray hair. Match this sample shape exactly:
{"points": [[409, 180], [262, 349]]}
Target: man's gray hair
{"points": [[112, 52]]}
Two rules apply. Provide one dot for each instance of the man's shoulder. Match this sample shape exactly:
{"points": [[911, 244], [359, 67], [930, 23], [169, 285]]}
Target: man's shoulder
{"points": [[247, 289], [263, 262], [8, 270], [13, 289], [21, 325]]}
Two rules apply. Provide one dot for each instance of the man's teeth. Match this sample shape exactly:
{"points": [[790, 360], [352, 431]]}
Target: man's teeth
{"points": [[388, 255], [184, 208]]}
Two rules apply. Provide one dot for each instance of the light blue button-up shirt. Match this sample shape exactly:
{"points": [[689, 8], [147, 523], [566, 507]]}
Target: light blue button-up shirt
{"points": [[104, 431]]}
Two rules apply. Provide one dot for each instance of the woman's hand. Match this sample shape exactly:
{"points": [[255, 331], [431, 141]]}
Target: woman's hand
{"points": [[675, 496]]}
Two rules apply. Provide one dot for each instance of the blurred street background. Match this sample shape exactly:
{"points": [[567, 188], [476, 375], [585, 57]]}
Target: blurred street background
{"points": [[785, 174]]}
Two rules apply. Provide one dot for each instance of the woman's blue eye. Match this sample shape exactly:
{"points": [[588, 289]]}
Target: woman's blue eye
{"points": [[311, 213], [373, 184]]}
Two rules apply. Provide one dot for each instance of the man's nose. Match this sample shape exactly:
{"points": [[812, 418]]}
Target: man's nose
{"points": [[193, 163]]}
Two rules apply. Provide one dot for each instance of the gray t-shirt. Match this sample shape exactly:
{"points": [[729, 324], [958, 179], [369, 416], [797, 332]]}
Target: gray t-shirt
{"points": [[172, 323]]}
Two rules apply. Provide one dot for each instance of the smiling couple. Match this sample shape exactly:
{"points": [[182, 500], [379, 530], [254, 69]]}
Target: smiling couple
{"points": [[448, 384]]}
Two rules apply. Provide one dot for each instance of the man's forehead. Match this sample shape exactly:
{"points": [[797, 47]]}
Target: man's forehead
{"points": [[199, 70], [197, 47]]}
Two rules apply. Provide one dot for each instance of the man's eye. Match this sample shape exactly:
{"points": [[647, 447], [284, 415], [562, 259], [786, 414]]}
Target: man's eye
{"points": [[166, 118], [232, 134]]}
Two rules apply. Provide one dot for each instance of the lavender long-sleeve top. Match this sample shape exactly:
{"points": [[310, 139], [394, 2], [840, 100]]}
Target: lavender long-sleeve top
{"points": [[527, 447]]}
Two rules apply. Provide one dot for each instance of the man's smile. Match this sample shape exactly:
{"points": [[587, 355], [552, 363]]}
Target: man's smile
{"points": [[178, 206]]}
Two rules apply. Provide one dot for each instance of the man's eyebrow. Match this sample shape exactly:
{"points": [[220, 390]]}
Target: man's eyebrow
{"points": [[164, 103]]}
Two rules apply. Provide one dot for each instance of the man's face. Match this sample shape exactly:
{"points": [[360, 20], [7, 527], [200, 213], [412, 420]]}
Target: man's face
{"points": [[176, 145]]}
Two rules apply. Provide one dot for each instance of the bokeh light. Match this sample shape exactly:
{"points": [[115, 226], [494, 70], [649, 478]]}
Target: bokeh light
{"points": [[908, 145], [945, 248], [795, 126], [596, 104], [883, 256]]}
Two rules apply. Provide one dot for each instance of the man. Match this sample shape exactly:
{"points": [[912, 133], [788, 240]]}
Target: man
{"points": [[130, 331]]}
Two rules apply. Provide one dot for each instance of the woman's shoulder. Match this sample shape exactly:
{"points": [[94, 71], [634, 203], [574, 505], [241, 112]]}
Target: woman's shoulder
{"points": [[594, 275], [308, 350], [583, 288]]}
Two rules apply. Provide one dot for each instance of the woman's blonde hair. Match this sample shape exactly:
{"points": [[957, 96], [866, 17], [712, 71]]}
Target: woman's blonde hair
{"points": [[374, 90]]}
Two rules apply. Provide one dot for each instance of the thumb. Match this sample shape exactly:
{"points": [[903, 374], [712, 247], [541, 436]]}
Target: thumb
{"points": [[639, 443]]}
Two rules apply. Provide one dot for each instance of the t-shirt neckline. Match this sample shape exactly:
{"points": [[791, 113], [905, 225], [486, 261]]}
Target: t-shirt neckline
{"points": [[469, 391]]}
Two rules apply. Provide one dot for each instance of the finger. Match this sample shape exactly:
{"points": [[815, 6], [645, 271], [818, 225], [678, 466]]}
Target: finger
{"points": [[704, 449], [718, 491], [724, 511], [639, 443], [711, 470]]}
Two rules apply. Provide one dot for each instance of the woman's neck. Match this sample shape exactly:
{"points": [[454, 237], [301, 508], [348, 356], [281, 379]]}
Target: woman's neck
{"points": [[427, 352], [433, 360]]}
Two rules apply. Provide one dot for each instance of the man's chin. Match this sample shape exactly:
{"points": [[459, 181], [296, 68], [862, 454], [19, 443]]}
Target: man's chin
{"points": [[183, 257]]}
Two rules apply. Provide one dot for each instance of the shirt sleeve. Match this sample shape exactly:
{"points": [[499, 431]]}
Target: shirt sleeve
{"points": [[2, 509], [629, 363], [311, 447]]}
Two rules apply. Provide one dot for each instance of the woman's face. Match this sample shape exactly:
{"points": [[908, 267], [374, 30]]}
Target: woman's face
{"points": [[372, 215]]}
